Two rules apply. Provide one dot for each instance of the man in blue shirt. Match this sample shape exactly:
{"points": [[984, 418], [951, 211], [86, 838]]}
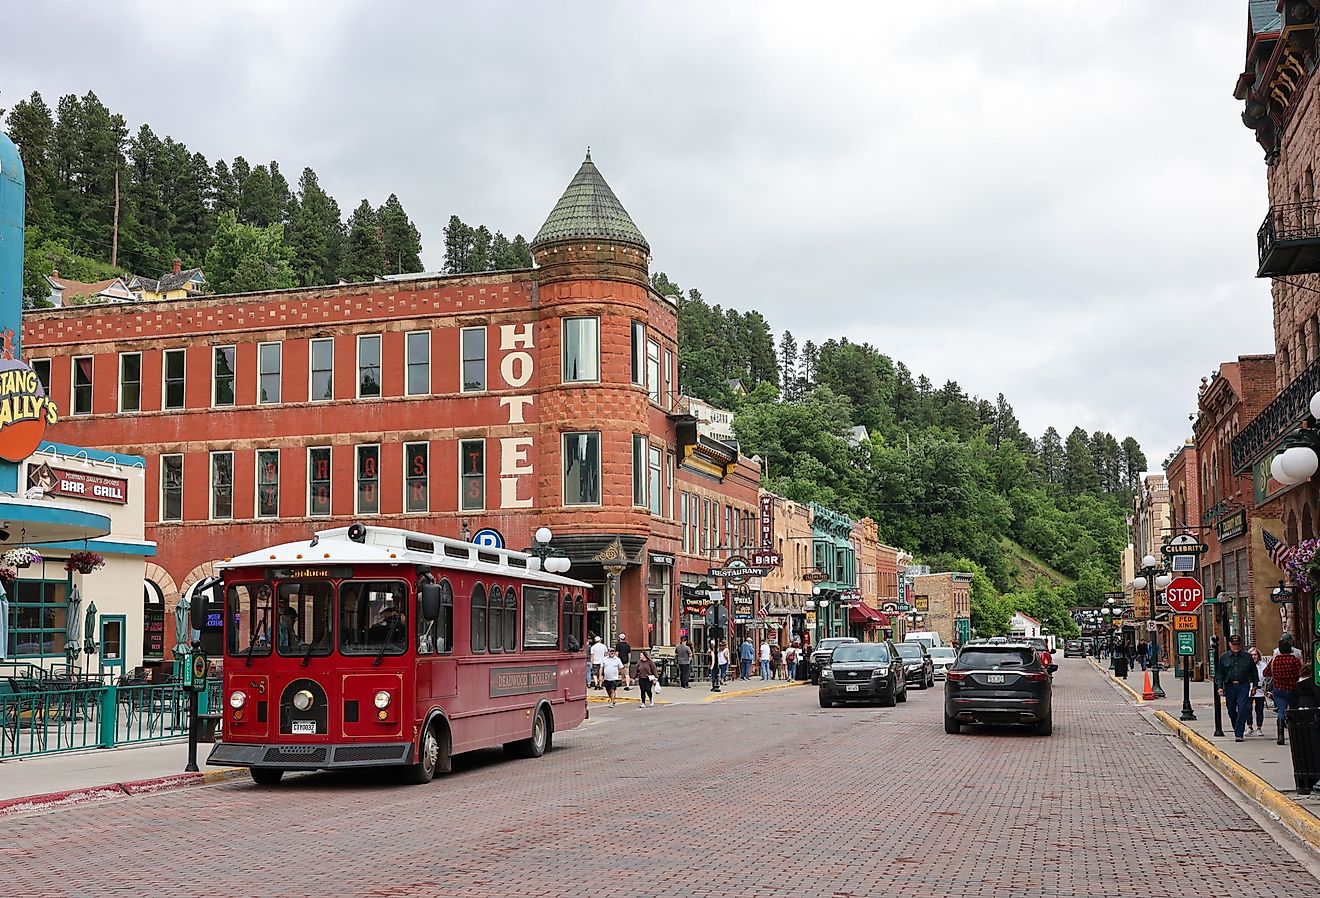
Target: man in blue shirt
{"points": [[1237, 674], [745, 655]]}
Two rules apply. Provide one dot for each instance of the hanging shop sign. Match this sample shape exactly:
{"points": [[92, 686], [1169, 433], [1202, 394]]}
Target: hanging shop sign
{"points": [[78, 484], [767, 558], [1232, 525], [659, 560], [767, 522], [736, 570], [25, 409]]}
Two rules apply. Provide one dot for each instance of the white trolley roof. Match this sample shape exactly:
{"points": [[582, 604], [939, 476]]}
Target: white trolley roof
{"points": [[390, 545]]}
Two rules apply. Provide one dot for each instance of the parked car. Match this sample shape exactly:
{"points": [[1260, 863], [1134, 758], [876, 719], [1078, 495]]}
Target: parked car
{"points": [[917, 665], [1074, 648], [863, 671], [942, 658], [820, 656], [1001, 682]]}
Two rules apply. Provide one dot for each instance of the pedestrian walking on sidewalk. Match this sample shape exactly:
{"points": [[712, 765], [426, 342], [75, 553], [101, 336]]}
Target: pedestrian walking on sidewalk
{"points": [[790, 661], [714, 666], [1143, 656], [765, 659], [647, 677], [610, 670], [597, 659], [1237, 674], [1257, 695], [724, 663], [745, 655], [625, 653], [776, 662], [683, 658], [1284, 669]]}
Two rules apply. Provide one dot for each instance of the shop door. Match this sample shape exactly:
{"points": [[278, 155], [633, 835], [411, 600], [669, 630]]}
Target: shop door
{"points": [[112, 643]]}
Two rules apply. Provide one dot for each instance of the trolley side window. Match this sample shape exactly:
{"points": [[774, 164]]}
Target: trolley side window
{"points": [[572, 623], [250, 619], [510, 620], [304, 616], [478, 621], [373, 615], [437, 636], [495, 620], [540, 618]]}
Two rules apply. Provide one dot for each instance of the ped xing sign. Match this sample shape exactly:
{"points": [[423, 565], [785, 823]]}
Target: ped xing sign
{"points": [[1184, 623], [1186, 643]]}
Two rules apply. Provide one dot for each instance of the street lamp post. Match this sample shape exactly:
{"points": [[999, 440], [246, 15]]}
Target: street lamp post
{"points": [[1152, 577]]}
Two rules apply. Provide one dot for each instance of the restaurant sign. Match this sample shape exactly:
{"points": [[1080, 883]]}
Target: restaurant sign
{"points": [[25, 409], [78, 484]]}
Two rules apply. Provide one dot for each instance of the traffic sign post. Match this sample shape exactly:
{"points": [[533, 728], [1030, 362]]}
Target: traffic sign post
{"points": [[1186, 649], [1186, 644], [1184, 595]]}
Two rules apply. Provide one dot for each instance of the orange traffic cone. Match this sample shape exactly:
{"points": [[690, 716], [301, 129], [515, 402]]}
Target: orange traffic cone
{"points": [[1146, 694]]}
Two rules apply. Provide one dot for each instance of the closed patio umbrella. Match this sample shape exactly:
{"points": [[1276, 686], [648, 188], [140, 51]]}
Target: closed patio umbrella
{"points": [[73, 625], [182, 636], [4, 625], [89, 629]]}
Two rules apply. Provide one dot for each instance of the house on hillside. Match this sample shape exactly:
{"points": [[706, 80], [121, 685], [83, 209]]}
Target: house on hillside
{"points": [[1023, 625], [181, 283], [66, 292]]}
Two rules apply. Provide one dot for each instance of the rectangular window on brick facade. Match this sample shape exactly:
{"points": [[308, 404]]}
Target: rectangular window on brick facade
{"points": [[368, 346], [669, 484], [705, 525], [581, 468], [669, 386], [639, 470], [171, 487], [268, 372], [472, 475], [638, 346], [318, 481], [222, 486], [656, 484], [41, 367], [82, 384], [322, 385], [653, 386], [222, 377], [368, 480], [473, 349], [130, 382], [416, 477], [417, 349], [174, 363], [581, 338], [268, 483], [683, 522]]}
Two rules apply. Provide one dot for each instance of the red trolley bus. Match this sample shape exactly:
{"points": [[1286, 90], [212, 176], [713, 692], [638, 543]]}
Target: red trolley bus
{"points": [[374, 646]]}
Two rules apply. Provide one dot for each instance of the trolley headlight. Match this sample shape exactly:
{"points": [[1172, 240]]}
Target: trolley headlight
{"points": [[237, 699], [382, 700], [302, 699]]}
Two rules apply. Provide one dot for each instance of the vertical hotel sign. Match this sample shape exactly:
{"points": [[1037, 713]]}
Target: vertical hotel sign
{"points": [[25, 409], [767, 521]]}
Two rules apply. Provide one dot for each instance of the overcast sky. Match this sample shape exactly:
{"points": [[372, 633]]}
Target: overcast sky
{"points": [[1055, 201]]}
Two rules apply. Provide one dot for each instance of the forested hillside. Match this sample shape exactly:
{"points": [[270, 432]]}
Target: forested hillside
{"points": [[103, 201], [948, 476]]}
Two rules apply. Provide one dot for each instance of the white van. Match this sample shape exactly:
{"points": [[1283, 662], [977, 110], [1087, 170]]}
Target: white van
{"points": [[929, 637]]}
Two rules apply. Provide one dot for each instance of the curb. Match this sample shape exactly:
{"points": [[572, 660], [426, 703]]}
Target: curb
{"points": [[88, 794], [756, 691], [1132, 693], [1304, 825]]}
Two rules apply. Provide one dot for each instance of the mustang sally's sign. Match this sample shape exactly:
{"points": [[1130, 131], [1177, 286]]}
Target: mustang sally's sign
{"points": [[25, 409]]}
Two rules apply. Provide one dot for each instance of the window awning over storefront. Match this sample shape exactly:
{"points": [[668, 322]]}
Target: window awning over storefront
{"points": [[865, 614]]}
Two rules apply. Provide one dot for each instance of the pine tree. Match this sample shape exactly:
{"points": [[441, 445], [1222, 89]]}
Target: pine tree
{"points": [[316, 235], [1078, 464], [1051, 457], [364, 252], [403, 242], [479, 254], [788, 353], [224, 196], [1134, 463], [31, 128], [258, 203], [458, 246]]}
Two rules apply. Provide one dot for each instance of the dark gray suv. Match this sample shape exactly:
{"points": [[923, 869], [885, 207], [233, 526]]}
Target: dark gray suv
{"points": [[1001, 682], [864, 672]]}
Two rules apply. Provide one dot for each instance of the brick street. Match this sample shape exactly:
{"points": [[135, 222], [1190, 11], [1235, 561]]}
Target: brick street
{"points": [[763, 795]]}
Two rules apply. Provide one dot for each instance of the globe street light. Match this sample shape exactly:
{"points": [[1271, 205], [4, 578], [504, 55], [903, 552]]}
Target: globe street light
{"points": [[547, 557], [1152, 578]]}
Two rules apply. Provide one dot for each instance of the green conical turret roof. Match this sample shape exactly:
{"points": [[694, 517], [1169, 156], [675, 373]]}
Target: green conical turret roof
{"points": [[589, 208]]}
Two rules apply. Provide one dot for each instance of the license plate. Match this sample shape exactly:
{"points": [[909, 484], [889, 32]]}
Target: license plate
{"points": [[854, 688], [304, 727], [990, 678]]}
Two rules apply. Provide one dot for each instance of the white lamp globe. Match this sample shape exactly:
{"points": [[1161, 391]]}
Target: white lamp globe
{"points": [[1148, 561], [533, 563], [1315, 406], [542, 535], [1162, 581], [1299, 463], [1139, 583], [1277, 472]]}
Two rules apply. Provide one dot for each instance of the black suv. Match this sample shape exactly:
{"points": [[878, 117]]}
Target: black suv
{"points": [[917, 664], [1002, 682], [820, 656], [864, 671]]}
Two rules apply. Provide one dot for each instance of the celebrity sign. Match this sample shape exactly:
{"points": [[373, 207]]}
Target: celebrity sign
{"points": [[25, 410]]}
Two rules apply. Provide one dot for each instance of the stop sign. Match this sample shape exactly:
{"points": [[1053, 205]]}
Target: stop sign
{"points": [[1184, 595]]}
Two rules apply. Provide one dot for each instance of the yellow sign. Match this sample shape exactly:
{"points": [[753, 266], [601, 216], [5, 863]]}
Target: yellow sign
{"points": [[1184, 622], [922, 603]]}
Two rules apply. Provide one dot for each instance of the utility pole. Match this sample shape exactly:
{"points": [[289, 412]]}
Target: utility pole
{"points": [[114, 240]]}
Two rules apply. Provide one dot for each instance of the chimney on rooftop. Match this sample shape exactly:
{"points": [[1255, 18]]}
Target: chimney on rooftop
{"points": [[178, 266]]}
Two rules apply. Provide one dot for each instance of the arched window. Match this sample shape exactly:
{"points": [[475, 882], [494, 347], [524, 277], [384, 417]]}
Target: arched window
{"points": [[495, 621], [510, 620], [478, 623]]}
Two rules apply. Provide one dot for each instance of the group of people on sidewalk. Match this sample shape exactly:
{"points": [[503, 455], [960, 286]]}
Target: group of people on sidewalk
{"points": [[1245, 680], [608, 669]]}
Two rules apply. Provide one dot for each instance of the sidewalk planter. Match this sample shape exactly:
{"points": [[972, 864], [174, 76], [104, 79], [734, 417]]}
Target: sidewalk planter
{"points": [[1304, 740]]}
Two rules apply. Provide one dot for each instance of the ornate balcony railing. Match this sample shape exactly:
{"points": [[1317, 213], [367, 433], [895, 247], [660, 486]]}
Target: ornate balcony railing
{"points": [[1288, 241], [1276, 420]]}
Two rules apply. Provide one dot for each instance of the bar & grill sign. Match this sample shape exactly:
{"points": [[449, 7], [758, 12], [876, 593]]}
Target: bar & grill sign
{"points": [[78, 484]]}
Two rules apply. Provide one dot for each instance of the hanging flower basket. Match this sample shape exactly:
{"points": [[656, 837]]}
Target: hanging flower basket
{"points": [[84, 562], [21, 557], [1304, 565], [8, 575]]}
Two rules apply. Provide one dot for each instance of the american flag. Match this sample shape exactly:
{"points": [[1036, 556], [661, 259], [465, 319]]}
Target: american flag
{"points": [[1278, 550]]}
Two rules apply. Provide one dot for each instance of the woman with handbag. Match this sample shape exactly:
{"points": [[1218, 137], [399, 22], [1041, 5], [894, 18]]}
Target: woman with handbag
{"points": [[647, 677]]}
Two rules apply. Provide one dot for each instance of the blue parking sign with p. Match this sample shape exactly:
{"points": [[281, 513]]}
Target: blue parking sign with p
{"points": [[489, 538]]}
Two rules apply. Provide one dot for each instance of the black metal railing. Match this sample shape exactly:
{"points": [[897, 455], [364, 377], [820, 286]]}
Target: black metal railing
{"points": [[1284, 223], [1290, 408]]}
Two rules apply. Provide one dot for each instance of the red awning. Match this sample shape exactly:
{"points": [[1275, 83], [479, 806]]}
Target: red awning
{"points": [[865, 614]]}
